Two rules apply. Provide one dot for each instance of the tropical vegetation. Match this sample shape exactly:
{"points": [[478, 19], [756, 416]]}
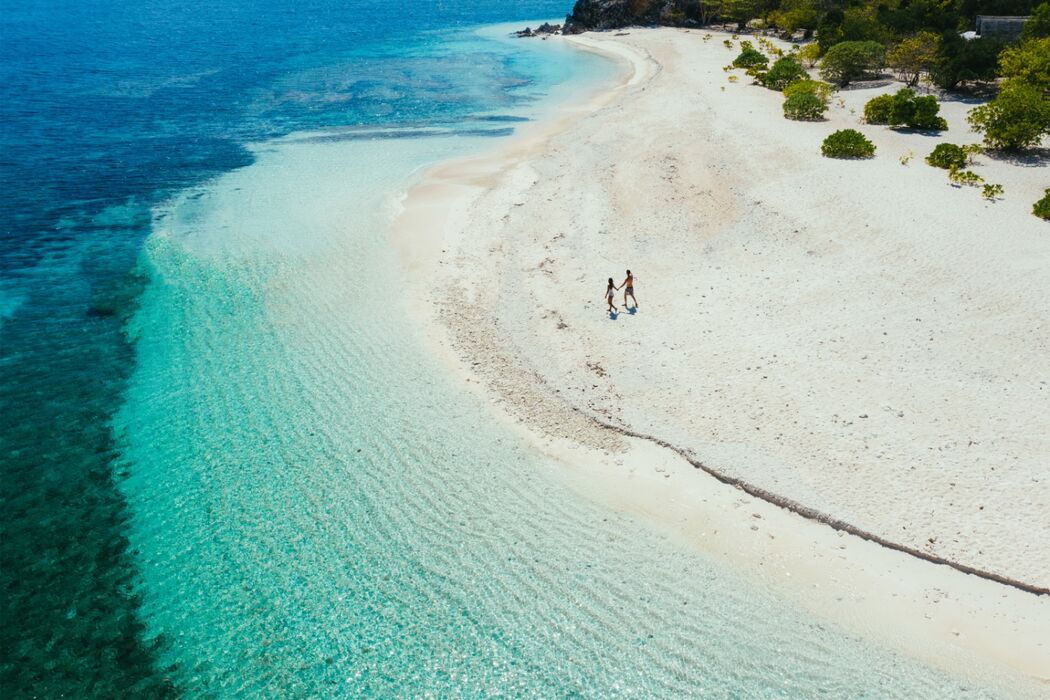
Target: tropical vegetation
{"points": [[847, 143], [905, 108]]}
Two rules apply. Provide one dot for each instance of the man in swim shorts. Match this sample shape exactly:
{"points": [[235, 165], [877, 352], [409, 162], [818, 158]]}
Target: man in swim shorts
{"points": [[628, 289]]}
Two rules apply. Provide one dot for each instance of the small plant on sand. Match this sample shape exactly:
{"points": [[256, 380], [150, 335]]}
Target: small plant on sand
{"points": [[782, 73], [749, 56], [964, 178], [727, 43], [806, 100], [707, 37], [906, 158], [947, 156], [1042, 207], [847, 143], [992, 192], [805, 107], [733, 78], [813, 87], [727, 68]]}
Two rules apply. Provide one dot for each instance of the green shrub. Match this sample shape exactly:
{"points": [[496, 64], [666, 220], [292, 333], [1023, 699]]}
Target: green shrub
{"points": [[1016, 119], [947, 156], [805, 107], [914, 56], [1042, 207], [1027, 63], [847, 143], [782, 73], [809, 87], [905, 109], [849, 60], [923, 114], [749, 56], [1038, 24], [959, 60], [879, 110]]}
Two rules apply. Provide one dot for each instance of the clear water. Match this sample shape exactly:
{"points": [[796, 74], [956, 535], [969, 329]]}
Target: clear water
{"points": [[230, 467]]}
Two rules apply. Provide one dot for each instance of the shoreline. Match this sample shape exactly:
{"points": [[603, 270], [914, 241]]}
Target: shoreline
{"points": [[984, 622]]}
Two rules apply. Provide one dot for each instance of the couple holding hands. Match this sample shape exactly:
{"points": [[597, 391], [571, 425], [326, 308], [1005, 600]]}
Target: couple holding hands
{"points": [[628, 291]]}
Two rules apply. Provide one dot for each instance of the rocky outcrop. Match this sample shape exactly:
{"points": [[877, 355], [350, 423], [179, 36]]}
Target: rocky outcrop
{"points": [[590, 15], [543, 30]]}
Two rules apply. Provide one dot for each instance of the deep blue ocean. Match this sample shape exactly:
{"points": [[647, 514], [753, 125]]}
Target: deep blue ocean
{"points": [[231, 466], [106, 109]]}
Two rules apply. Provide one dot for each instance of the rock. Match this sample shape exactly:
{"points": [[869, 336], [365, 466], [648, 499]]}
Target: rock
{"points": [[544, 30]]}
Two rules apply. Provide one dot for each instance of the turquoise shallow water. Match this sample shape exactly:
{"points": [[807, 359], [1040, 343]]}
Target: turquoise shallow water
{"points": [[318, 510]]}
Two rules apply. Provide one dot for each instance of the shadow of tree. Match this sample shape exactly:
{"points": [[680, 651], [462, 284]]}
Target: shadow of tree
{"points": [[1033, 158]]}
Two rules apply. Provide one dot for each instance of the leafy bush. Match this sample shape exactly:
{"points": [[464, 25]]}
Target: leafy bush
{"points": [[879, 110], [923, 114], [1042, 207], [808, 55], [809, 87], [914, 55], [805, 106], [847, 143], [1016, 119], [1038, 24], [782, 73], [1028, 63], [793, 16], [849, 60], [947, 156], [959, 60], [905, 109], [749, 56]]}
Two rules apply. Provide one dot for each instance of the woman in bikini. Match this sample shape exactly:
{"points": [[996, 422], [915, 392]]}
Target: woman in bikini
{"points": [[610, 292]]}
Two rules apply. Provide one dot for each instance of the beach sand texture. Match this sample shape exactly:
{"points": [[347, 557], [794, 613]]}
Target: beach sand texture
{"points": [[858, 337]]}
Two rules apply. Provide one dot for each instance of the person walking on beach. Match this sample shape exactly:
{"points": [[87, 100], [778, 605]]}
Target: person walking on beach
{"points": [[610, 292], [628, 291]]}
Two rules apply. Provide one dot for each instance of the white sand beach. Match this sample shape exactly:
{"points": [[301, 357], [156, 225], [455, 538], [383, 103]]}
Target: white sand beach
{"points": [[857, 337]]}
